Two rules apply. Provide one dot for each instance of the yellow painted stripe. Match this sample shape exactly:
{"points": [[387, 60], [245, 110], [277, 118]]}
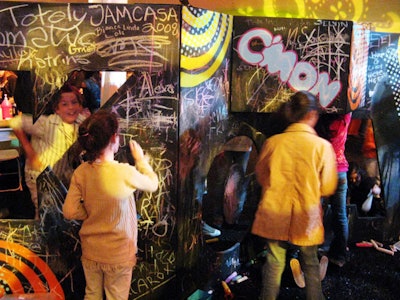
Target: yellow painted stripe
{"points": [[192, 63], [192, 80]]}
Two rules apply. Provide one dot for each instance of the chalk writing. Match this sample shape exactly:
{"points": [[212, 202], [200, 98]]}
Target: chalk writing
{"points": [[25, 234], [274, 55], [207, 100], [107, 14], [24, 267], [379, 43], [98, 30], [54, 40], [146, 106], [298, 75]]}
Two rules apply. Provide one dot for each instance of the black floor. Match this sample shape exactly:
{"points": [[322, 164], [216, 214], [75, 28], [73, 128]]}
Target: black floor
{"points": [[368, 275]]}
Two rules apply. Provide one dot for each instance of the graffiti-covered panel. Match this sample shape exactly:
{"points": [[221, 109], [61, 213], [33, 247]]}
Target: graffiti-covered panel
{"points": [[24, 264], [147, 106], [356, 91], [50, 40], [53, 39], [59, 37], [383, 92], [206, 45], [203, 126], [274, 57]]}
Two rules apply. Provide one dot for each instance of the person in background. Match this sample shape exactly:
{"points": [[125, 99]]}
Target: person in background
{"points": [[46, 140], [24, 93], [8, 81], [303, 165], [364, 191], [92, 90], [334, 128], [102, 195], [385, 117], [369, 152]]}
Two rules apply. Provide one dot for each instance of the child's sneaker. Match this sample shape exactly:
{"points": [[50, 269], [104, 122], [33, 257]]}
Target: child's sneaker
{"points": [[210, 231], [298, 274], [323, 266]]}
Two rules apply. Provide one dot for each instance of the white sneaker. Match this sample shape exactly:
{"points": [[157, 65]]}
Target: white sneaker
{"points": [[323, 266], [210, 231]]}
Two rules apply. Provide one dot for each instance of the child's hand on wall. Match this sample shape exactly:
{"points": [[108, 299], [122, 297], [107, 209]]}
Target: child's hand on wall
{"points": [[137, 151]]}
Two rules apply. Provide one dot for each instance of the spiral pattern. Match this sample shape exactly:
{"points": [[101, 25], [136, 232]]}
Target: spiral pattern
{"points": [[20, 267], [206, 39]]}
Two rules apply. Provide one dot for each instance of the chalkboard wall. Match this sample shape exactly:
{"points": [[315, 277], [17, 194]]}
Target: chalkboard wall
{"points": [[192, 83], [54, 39], [274, 57], [51, 40]]}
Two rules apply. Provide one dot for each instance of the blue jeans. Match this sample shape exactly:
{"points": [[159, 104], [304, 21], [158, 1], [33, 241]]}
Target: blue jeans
{"points": [[339, 220], [275, 264]]}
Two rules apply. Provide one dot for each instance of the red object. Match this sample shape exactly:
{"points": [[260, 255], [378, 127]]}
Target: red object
{"points": [[364, 245], [6, 108]]}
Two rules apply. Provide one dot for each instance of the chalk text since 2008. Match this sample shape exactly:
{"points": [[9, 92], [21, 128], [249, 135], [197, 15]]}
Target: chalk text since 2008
{"points": [[36, 29]]}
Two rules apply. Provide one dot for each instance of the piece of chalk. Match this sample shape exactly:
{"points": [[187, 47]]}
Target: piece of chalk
{"points": [[213, 240], [242, 279], [230, 277]]}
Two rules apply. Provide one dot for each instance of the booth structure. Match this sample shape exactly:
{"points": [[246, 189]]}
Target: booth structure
{"points": [[197, 80]]}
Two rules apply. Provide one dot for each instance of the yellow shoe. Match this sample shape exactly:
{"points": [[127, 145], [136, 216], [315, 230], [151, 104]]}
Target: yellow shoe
{"points": [[298, 274]]}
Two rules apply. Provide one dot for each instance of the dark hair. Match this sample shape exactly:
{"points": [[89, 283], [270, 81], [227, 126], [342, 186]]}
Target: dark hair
{"points": [[96, 131], [354, 167], [299, 105]]}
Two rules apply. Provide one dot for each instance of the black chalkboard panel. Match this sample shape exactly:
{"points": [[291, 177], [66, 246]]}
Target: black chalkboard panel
{"points": [[383, 61], [60, 37], [274, 57], [383, 90], [52, 39]]}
